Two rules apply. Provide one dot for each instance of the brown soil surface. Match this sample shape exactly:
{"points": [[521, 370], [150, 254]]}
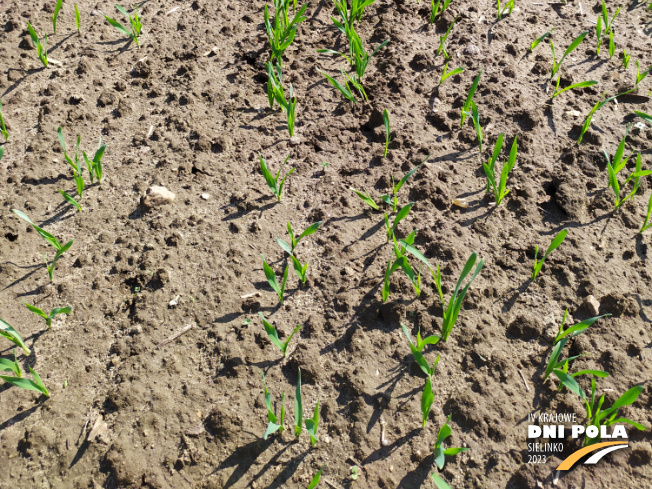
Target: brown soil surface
{"points": [[188, 111]]}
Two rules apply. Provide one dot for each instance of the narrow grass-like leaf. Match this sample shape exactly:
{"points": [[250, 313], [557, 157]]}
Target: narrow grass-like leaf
{"points": [[312, 424], [583, 84], [6, 331], [365, 198], [427, 398], [315, 480], [469, 97], [32, 385], [538, 40], [556, 242], [55, 16], [70, 200]]}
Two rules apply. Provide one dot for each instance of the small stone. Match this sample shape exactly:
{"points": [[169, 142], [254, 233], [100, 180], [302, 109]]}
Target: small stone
{"points": [[157, 196], [205, 196], [472, 50], [295, 141], [591, 306]]}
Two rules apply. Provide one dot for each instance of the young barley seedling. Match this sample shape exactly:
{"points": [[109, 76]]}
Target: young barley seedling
{"points": [[596, 416], [604, 25], [282, 30], [635, 177], [612, 46], [447, 74], [32, 385], [315, 480], [387, 135], [312, 424], [364, 196], [626, 58], [9, 333], [344, 89], [57, 255], [55, 16], [507, 7], [77, 19], [94, 166], [427, 398], [451, 310], [538, 40], [435, 9], [442, 40], [469, 98], [647, 224], [3, 128], [274, 423], [439, 482], [41, 232], [440, 453], [556, 242], [48, 317], [2, 151], [421, 343], [588, 83], [557, 65], [392, 199], [272, 181], [135, 25], [490, 170], [77, 169], [273, 335], [475, 117], [641, 76], [300, 270], [400, 215], [596, 107], [41, 47], [271, 278]]}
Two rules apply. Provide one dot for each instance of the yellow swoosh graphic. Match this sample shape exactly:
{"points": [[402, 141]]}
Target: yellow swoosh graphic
{"points": [[574, 457]]}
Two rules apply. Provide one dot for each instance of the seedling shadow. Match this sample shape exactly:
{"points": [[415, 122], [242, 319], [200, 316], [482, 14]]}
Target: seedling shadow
{"points": [[289, 470], [418, 476], [17, 418], [382, 398], [509, 303], [384, 452], [242, 459]]}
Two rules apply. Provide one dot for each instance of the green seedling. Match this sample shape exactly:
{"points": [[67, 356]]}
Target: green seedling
{"points": [[387, 138], [400, 262], [294, 241], [291, 112], [361, 60], [301, 270], [435, 9], [9, 366], [3, 128], [475, 117], [94, 166], [275, 423], [354, 14], [2, 151], [312, 424], [77, 19], [635, 177], [640, 76], [298, 409], [315, 480], [57, 8], [451, 310], [647, 224], [469, 98], [427, 397], [271, 278], [282, 30], [538, 40], [364, 196], [134, 24], [7, 332], [447, 74], [583, 84], [596, 107], [32, 385], [41, 47], [344, 89], [48, 317], [442, 40], [560, 341], [598, 417], [70, 200], [557, 65], [77, 169], [275, 92], [439, 482], [604, 25], [626, 58], [355, 472], [421, 343], [441, 453], [42, 232], [57, 255], [538, 264], [646, 117], [400, 215], [507, 7], [273, 335], [398, 252], [612, 46], [490, 170], [392, 199], [272, 181]]}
